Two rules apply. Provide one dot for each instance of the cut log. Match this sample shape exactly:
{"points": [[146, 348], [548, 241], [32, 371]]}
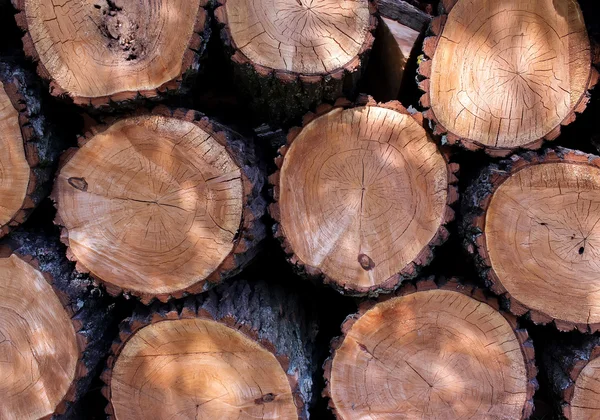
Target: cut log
{"points": [[28, 152], [531, 224], [242, 350], [363, 195], [101, 51], [574, 374], [161, 204], [291, 55], [506, 75], [52, 329], [404, 13], [431, 352]]}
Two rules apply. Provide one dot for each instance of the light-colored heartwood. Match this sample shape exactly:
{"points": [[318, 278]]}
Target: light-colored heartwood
{"points": [[301, 36], [152, 204], [362, 192], [198, 368], [38, 343], [585, 404], [431, 354], [14, 169], [543, 239], [507, 73], [95, 49]]}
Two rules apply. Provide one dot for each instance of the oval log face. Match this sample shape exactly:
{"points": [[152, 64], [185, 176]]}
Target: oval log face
{"points": [[38, 344], [97, 48], [585, 404], [543, 239], [151, 205], [14, 169], [363, 192], [301, 36], [198, 368], [507, 73], [433, 354]]}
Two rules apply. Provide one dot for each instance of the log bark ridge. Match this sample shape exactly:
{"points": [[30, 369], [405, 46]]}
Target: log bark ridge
{"points": [[530, 225], [434, 351], [362, 196], [521, 71], [53, 332], [574, 371], [241, 350], [161, 204], [28, 151], [291, 55], [103, 52]]}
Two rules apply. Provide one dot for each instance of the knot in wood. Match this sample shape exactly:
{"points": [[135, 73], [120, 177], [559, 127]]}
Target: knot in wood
{"points": [[366, 262]]}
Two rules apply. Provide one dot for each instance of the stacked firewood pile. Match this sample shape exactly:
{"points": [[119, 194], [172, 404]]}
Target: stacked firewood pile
{"points": [[285, 209]]}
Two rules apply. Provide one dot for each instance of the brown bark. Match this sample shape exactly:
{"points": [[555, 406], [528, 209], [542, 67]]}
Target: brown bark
{"points": [[174, 198], [215, 331]]}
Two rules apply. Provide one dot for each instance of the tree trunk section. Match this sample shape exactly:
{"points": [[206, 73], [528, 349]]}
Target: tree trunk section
{"points": [[530, 225], [362, 196], [161, 204], [28, 151], [447, 348], [54, 328], [487, 88], [100, 53], [290, 56], [573, 370], [240, 350]]}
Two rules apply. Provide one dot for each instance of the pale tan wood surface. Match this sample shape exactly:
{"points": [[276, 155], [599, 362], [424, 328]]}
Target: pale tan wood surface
{"points": [[585, 404]]}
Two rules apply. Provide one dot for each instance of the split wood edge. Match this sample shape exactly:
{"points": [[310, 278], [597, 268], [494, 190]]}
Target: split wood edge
{"points": [[130, 326], [453, 285], [250, 232], [473, 227], [32, 125], [190, 63], [430, 43], [412, 269]]}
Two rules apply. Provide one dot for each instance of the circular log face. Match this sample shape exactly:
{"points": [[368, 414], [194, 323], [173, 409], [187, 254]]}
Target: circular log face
{"points": [[435, 354], [520, 67], [363, 191], [302, 36], [585, 404], [14, 169], [543, 239], [196, 368], [97, 48], [38, 344], [151, 205]]}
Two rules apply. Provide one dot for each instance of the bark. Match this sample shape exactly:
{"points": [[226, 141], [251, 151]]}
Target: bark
{"points": [[91, 312], [42, 148], [404, 13], [246, 237], [283, 96], [266, 313], [474, 208], [564, 361]]}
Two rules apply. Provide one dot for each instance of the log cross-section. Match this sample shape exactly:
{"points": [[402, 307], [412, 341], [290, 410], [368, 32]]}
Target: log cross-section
{"points": [[363, 195], [532, 225], [443, 352], [160, 204], [506, 74], [101, 51]]}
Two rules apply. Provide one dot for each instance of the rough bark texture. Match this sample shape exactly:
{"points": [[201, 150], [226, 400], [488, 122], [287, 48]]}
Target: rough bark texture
{"points": [[412, 269], [284, 96], [404, 13], [251, 231], [117, 26], [91, 312], [264, 312], [42, 149], [370, 350], [475, 204], [564, 361], [576, 105]]}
